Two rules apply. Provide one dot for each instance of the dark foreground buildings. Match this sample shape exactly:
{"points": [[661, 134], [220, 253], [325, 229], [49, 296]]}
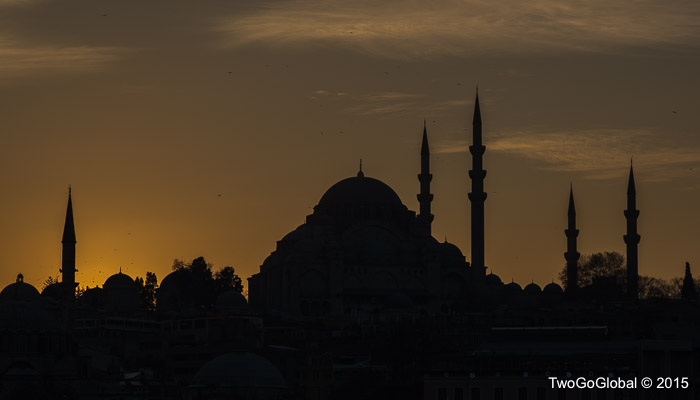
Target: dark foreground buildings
{"points": [[359, 302]]}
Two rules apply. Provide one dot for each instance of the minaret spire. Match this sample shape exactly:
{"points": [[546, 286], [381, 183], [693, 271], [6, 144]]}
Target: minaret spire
{"points": [[425, 218], [571, 254], [68, 254], [477, 196], [632, 238]]}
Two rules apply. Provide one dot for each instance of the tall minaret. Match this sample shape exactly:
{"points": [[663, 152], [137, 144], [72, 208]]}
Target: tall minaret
{"points": [[425, 218], [68, 257], [477, 196], [632, 239], [571, 254]]}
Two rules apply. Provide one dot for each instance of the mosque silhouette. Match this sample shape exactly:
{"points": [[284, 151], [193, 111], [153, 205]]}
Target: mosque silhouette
{"points": [[359, 302]]}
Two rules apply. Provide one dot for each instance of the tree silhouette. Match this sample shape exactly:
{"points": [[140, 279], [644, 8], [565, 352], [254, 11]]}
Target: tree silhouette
{"points": [[611, 264], [650, 287], [226, 279], [197, 286], [597, 265], [49, 281], [147, 290]]}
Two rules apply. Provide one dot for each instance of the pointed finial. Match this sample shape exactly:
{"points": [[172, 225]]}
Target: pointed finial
{"points": [[360, 174], [69, 189], [445, 239], [572, 207], [477, 109], [630, 183], [424, 149], [120, 269]]}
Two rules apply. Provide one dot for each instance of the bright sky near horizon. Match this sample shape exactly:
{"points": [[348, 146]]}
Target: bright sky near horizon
{"points": [[212, 128]]}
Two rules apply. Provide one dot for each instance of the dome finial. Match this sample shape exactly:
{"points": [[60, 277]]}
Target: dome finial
{"points": [[360, 174], [20, 278]]}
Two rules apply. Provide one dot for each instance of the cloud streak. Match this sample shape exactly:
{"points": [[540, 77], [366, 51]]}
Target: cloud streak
{"points": [[596, 153], [410, 28], [387, 103], [17, 59]]}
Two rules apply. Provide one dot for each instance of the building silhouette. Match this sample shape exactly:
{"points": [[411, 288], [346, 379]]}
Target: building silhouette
{"points": [[360, 301]]}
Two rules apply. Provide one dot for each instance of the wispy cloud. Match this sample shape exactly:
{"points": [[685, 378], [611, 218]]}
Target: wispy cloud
{"points": [[18, 59], [597, 153], [386, 103], [412, 28]]}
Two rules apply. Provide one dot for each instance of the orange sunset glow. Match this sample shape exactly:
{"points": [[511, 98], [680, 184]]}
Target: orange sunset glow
{"points": [[212, 129]]}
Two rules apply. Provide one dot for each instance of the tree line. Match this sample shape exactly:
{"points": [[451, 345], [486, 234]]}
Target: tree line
{"points": [[611, 264]]}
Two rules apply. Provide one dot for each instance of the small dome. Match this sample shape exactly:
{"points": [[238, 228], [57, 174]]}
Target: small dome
{"points": [[118, 280], [240, 370], [493, 280], [231, 301], [553, 288], [19, 291], [532, 288], [398, 300], [513, 288]]}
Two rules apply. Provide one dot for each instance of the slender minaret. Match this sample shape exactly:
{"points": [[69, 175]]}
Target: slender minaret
{"points": [[477, 196], [571, 254], [632, 238], [425, 218], [68, 257]]}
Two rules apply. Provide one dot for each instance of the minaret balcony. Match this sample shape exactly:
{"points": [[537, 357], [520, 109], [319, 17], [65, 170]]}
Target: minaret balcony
{"points": [[477, 149]]}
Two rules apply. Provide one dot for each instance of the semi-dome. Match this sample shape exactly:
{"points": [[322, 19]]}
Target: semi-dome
{"points": [[118, 280], [358, 191], [19, 291], [553, 288], [532, 288], [244, 370], [450, 251]]}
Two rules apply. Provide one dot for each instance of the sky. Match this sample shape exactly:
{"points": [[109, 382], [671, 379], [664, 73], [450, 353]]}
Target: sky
{"points": [[192, 128]]}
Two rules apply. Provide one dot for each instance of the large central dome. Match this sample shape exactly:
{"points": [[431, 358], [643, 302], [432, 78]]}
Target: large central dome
{"points": [[362, 198], [358, 191]]}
